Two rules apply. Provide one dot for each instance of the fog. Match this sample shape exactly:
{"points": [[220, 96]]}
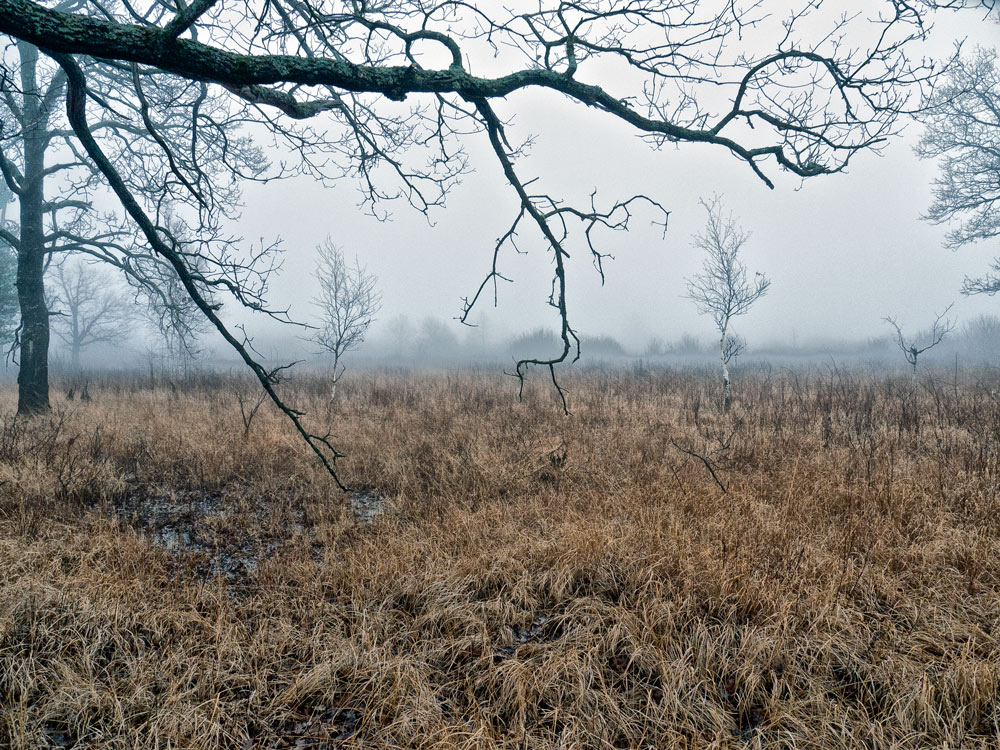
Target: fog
{"points": [[842, 251]]}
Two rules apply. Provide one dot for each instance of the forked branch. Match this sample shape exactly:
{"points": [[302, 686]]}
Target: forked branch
{"points": [[911, 351]]}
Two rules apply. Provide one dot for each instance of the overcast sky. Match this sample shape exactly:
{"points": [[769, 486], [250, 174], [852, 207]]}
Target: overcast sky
{"points": [[842, 252]]}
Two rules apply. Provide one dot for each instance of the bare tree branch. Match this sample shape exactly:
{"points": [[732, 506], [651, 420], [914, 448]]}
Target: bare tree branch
{"points": [[798, 90], [962, 131], [76, 109]]}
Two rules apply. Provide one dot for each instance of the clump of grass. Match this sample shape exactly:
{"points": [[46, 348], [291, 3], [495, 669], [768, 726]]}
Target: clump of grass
{"points": [[169, 578]]}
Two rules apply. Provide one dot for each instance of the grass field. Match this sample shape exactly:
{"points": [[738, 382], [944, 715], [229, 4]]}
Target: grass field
{"points": [[818, 569]]}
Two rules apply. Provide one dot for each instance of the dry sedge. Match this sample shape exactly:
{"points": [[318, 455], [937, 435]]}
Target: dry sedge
{"points": [[815, 569]]}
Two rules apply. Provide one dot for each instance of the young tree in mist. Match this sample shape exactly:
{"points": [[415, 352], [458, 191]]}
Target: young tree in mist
{"points": [[655, 347], [348, 302], [167, 307], [982, 336], [962, 131], [174, 322], [722, 289], [89, 309], [800, 90], [436, 341], [913, 348], [401, 335]]}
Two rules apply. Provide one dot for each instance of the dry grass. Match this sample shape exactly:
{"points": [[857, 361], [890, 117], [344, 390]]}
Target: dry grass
{"points": [[536, 581]]}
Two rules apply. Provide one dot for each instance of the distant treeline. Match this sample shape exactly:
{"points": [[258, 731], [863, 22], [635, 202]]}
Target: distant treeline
{"points": [[436, 342], [433, 342]]}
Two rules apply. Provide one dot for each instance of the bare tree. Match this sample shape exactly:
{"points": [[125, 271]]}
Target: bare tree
{"points": [[401, 335], [88, 308], [173, 319], [348, 303], [982, 336], [913, 348], [156, 134], [801, 90], [962, 131], [166, 305], [722, 289]]}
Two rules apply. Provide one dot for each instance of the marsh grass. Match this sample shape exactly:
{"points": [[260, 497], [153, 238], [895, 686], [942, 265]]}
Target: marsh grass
{"points": [[170, 579]]}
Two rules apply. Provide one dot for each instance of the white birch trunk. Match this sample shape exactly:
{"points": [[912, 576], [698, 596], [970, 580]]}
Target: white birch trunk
{"points": [[727, 394], [336, 377]]}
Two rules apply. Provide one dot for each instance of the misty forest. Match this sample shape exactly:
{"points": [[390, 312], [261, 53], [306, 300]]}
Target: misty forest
{"points": [[530, 374]]}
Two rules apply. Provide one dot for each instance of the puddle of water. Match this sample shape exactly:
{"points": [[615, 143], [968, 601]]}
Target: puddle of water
{"points": [[57, 738], [198, 524], [187, 523], [320, 730], [173, 538], [543, 629], [367, 506], [532, 632]]}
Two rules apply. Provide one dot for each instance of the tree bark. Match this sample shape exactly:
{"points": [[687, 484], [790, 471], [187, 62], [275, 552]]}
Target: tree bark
{"points": [[33, 373], [727, 393], [336, 377]]}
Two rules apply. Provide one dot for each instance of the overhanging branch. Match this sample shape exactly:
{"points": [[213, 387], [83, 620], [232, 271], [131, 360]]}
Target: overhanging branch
{"points": [[76, 110], [79, 34]]}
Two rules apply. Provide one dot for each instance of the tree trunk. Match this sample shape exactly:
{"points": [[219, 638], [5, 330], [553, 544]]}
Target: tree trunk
{"points": [[33, 374], [336, 377], [727, 393]]}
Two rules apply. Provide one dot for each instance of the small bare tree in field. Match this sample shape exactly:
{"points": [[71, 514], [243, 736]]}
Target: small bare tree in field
{"points": [[910, 348], [348, 303], [722, 289]]}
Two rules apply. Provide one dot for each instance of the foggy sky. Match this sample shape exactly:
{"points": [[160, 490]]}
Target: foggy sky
{"points": [[843, 251]]}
